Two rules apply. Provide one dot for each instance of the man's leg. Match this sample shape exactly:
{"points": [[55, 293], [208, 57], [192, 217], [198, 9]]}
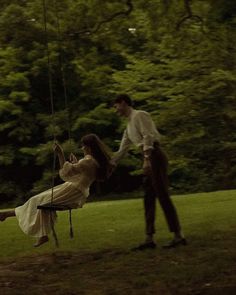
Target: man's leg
{"points": [[149, 212], [160, 184], [166, 203], [149, 206]]}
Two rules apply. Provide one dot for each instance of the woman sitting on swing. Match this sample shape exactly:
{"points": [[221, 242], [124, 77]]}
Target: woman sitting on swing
{"points": [[78, 177]]}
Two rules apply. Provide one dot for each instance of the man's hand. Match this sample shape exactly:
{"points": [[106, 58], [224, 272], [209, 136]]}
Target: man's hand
{"points": [[113, 163], [112, 167], [147, 168]]}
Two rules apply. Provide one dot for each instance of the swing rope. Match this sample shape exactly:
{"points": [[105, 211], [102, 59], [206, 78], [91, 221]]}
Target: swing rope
{"points": [[53, 207], [61, 64]]}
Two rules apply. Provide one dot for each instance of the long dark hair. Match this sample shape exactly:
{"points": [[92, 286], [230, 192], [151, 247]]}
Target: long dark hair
{"points": [[101, 154]]}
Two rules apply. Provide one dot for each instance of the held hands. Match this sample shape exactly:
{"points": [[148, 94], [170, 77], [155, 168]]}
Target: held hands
{"points": [[112, 167], [113, 163]]}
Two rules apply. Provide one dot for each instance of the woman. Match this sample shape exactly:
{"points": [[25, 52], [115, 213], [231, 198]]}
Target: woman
{"points": [[78, 177]]}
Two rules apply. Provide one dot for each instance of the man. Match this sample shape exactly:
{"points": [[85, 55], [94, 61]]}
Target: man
{"points": [[141, 131]]}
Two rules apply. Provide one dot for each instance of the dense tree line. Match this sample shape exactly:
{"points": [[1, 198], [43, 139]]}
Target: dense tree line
{"points": [[176, 58]]}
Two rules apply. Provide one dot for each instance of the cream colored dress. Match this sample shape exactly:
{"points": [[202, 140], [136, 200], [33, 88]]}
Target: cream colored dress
{"points": [[72, 193]]}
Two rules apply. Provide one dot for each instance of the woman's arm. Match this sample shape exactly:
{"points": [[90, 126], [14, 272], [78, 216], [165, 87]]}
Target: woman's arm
{"points": [[60, 153]]}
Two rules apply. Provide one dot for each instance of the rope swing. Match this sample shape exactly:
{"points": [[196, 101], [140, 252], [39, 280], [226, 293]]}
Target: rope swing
{"points": [[52, 207]]}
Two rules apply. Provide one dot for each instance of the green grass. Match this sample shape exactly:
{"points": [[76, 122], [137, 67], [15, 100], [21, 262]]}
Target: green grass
{"points": [[98, 260]]}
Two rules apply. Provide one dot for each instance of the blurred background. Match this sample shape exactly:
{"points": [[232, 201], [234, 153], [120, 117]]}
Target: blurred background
{"points": [[63, 62]]}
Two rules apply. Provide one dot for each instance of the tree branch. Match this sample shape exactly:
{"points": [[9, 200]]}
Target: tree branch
{"points": [[188, 15], [97, 27]]}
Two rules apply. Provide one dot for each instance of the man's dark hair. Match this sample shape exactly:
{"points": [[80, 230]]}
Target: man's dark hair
{"points": [[125, 98]]}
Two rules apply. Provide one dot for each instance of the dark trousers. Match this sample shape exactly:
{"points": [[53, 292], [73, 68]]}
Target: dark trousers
{"points": [[156, 186]]}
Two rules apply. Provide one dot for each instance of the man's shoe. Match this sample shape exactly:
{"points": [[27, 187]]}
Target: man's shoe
{"points": [[175, 243], [145, 246]]}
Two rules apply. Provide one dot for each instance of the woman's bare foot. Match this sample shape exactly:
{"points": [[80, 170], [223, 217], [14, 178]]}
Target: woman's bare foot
{"points": [[6, 214], [41, 241], [3, 216]]}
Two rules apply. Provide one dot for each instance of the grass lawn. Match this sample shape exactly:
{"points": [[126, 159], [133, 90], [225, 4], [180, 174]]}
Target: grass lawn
{"points": [[98, 261]]}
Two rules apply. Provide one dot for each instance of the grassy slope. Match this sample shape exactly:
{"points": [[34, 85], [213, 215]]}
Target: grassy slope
{"points": [[98, 260]]}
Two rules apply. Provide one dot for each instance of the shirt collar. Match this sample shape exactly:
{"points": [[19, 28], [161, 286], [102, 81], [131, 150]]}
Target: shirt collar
{"points": [[131, 114]]}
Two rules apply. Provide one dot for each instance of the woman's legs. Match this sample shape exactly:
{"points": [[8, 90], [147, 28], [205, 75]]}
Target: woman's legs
{"points": [[6, 214], [11, 213]]}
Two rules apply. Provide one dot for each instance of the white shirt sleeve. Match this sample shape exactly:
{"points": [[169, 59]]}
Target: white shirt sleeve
{"points": [[124, 147], [146, 128]]}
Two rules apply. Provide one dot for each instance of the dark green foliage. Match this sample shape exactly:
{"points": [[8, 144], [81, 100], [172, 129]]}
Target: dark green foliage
{"points": [[177, 59]]}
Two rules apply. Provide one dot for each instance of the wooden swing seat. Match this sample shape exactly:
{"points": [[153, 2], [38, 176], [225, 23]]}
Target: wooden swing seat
{"points": [[51, 207]]}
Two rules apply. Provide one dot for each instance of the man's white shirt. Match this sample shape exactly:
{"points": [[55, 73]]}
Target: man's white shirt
{"points": [[140, 131]]}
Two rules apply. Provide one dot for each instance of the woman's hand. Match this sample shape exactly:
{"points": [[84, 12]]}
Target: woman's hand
{"points": [[60, 153], [57, 148], [73, 158]]}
